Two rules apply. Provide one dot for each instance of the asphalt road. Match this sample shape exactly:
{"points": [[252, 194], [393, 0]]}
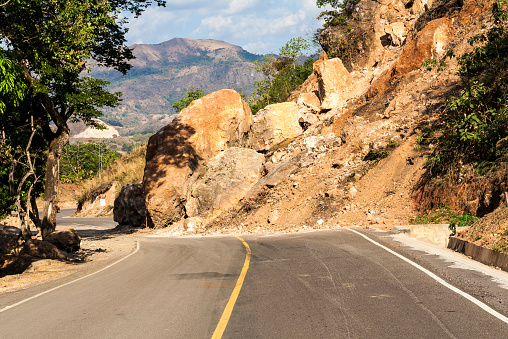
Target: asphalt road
{"points": [[325, 284], [64, 219]]}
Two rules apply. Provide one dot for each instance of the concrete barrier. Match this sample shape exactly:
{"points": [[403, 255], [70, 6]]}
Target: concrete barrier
{"points": [[436, 234], [479, 253]]}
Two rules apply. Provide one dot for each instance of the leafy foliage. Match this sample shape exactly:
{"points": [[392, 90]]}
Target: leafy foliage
{"points": [[84, 160], [12, 89], [283, 74], [476, 120], [192, 94], [462, 221], [14, 164]]}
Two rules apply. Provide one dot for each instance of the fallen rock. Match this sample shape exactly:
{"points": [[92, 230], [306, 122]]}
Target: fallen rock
{"points": [[397, 33], [66, 240], [208, 126], [276, 176], [333, 80], [42, 249], [129, 208], [224, 181], [309, 103], [430, 43], [275, 125]]}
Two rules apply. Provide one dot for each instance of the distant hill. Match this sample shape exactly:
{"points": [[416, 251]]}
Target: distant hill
{"points": [[162, 73]]}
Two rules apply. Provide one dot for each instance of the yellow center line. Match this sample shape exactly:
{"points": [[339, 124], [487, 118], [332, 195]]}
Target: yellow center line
{"points": [[223, 322]]}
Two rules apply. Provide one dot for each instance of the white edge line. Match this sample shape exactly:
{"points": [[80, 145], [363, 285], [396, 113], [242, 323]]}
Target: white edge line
{"points": [[475, 301], [70, 282]]}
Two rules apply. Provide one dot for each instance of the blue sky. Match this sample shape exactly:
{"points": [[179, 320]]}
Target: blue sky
{"points": [[259, 26]]}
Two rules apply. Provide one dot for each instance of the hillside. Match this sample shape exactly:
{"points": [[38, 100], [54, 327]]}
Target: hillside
{"points": [[357, 146], [162, 73]]}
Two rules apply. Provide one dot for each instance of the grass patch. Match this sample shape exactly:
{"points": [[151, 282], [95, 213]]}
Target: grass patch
{"points": [[441, 215]]}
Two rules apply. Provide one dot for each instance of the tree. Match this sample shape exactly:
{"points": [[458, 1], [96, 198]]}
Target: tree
{"points": [[342, 13], [53, 41], [283, 73], [84, 160], [192, 94]]}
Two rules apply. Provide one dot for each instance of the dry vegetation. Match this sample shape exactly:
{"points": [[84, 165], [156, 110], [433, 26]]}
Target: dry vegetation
{"points": [[127, 169]]}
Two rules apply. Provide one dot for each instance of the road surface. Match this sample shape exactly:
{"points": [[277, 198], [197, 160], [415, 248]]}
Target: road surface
{"points": [[64, 220], [324, 284]]}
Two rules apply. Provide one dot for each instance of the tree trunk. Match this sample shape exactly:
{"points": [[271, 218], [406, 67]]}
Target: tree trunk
{"points": [[52, 182]]}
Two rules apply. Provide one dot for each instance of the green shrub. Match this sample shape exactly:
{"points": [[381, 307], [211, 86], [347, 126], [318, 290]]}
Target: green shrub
{"points": [[476, 119], [283, 74], [193, 93], [462, 221]]}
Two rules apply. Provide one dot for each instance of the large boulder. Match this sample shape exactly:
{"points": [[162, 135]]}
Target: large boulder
{"points": [[66, 240], [208, 126], [274, 125], [226, 179], [129, 208], [333, 80]]}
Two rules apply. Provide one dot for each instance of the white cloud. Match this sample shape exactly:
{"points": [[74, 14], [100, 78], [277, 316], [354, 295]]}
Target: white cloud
{"points": [[256, 46], [240, 6]]}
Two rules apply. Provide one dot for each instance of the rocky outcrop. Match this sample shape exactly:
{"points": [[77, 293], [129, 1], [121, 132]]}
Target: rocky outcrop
{"points": [[129, 208], [359, 43], [100, 204], [224, 181], [107, 132], [467, 191], [208, 126], [274, 125], [428, 44], [66, 240]]}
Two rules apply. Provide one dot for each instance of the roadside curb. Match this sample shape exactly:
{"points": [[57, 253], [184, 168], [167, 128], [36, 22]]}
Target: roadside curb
{"points": [[436, 234], [482, 254]]}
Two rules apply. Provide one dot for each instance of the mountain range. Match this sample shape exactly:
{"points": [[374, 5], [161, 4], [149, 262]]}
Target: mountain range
{"points": [[162, 73]]}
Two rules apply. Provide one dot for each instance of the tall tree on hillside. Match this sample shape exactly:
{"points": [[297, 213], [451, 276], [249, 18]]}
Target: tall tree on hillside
{"points": [[55, 43]]}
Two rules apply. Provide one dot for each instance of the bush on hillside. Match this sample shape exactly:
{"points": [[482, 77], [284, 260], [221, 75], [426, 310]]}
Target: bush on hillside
{"points": [[475, 128]]}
